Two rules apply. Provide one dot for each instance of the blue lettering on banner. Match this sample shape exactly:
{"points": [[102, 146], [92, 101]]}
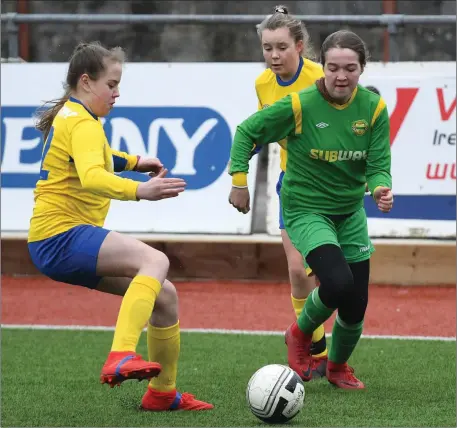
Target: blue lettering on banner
{"points": [[192, 142]]}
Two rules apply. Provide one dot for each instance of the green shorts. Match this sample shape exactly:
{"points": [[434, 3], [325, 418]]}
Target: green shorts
{"points": [[308, 231]]}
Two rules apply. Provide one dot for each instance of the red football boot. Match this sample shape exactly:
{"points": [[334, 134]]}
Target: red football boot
{"points": [[342, 376], [156, 401], [299, 351], [121, 366]]}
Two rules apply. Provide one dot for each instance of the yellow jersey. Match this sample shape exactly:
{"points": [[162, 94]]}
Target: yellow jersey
{"points": [[77, 175], [270, 88]]}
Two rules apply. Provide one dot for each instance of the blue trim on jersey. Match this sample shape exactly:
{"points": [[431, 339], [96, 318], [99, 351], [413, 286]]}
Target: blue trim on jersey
{"points": [[294, 79], [74, 100], [176, 401], [256, 150], [119, 163], [278, 191], [47, 144]]}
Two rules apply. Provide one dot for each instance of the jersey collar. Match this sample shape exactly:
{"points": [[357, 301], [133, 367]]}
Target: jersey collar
{"points": [[346, 104], [293, 80], [74, 100]]}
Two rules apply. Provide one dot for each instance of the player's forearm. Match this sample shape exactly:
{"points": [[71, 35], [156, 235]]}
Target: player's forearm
{"points": [[264, 127], [103, 183], [381, 178], [378, 170], [240, 154], [123, 161]]}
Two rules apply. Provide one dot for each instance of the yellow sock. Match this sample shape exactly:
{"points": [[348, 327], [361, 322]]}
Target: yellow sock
{"points": [[135, 311], [298, 305], [163, 347], [318, 334]]}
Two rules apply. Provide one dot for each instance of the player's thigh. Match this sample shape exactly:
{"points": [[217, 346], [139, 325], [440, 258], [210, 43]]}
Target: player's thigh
{"points": [[296, 263], [308, 231], [354, 238], [123, 256], [114, 285]]}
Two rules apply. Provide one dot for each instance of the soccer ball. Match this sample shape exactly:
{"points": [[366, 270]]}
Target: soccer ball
{"points": [[275, 394]]}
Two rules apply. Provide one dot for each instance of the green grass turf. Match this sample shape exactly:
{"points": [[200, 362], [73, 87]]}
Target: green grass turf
{"points": [[50, 378]]}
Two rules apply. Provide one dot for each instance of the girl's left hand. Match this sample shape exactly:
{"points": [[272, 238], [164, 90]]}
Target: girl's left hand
{"points": [[384, 198], [152, 165]]}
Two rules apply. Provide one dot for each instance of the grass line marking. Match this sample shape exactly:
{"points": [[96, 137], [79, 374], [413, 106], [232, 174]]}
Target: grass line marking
{"points": [[211, 331]]}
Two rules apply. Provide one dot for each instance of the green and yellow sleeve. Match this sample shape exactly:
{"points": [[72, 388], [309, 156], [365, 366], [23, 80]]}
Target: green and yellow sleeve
{"points": [[280, 120], [378, 170]]}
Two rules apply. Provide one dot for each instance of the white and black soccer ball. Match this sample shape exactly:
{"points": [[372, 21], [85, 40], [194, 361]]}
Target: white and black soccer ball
{"points": [[275, 394]]}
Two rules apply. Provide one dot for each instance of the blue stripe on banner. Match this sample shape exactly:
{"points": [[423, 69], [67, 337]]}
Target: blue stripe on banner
{"points": [[416, 207], [13, 180]]}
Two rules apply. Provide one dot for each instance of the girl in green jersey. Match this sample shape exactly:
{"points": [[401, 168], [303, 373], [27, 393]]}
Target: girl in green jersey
{"points": [[338, 140]]}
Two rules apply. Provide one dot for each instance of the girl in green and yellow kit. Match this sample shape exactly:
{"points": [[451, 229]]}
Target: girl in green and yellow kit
{"points": [[337, 141]]}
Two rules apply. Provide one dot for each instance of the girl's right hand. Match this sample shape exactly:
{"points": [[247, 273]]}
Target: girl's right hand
{"points": [[240, 199], [158, 187]]}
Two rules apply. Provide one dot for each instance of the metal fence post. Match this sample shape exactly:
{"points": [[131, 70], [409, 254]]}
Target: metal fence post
{"points": [[394, 51], [12, 30]]}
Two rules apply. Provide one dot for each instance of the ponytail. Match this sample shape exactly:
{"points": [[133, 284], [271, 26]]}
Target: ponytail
{"points": [[48, 111]]}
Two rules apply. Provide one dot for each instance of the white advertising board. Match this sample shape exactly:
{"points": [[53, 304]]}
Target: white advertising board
{"points": [[185, 114]]}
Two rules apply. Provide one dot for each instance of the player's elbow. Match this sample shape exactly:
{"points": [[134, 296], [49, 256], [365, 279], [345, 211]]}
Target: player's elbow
{"points": [[90, 180]]}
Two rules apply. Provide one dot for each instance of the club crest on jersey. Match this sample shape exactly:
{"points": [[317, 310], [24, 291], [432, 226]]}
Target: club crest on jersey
{"points": [[359, 127]]}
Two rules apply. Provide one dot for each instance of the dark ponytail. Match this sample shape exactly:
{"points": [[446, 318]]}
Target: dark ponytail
{"points": [[48, 111]]}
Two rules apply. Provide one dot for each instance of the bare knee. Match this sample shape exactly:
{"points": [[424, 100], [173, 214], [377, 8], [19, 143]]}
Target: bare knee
{"points": [[301, 283], [155, 264], [297, 272], [165, 311], [123, 256]]}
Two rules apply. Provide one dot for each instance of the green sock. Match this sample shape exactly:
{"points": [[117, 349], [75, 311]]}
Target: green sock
{"points": [[344, 340], [313, 314]]}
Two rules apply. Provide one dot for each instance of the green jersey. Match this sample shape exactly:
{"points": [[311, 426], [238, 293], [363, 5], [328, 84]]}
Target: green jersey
{"points": [[333, 150]]}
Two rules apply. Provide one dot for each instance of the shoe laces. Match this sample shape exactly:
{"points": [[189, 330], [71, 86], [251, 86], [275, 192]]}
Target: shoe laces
{"points": [[302, 352], [348, 373]]}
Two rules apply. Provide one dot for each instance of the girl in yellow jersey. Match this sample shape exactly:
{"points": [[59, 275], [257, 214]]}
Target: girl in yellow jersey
{"points": [[67, 241], [286, 49]]}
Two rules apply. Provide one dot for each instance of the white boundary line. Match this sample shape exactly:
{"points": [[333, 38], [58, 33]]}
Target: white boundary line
{"points": [[210, 331]]}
